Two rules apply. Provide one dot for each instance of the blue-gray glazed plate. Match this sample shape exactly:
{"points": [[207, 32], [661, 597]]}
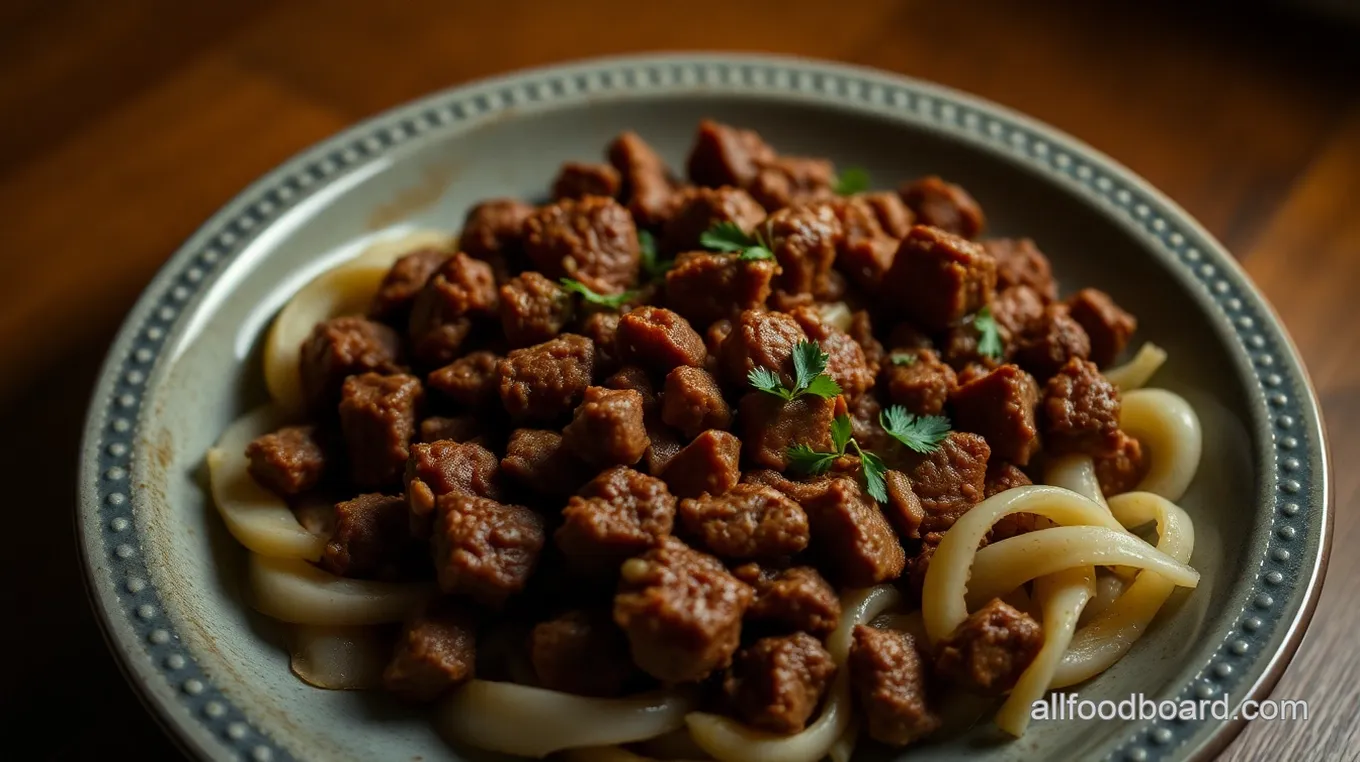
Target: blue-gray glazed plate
{"points": [[166, 579]]}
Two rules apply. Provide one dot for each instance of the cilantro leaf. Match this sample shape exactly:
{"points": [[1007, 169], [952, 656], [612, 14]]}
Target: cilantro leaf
{"points": [[920, 433], [652, 267], [806, 460], [612, 301], [841, 432], [989, 335], [809, 361], [727, 236], [755, 253], [768, 381], [902, 358], [809, 366], [851, 181], [823, 386], [873, 469]]}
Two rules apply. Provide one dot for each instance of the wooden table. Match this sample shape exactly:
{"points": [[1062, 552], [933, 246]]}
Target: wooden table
{"points": [[127, 123]]}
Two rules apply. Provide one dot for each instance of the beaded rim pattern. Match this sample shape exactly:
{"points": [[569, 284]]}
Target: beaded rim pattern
{"points": [[1292, 544]]}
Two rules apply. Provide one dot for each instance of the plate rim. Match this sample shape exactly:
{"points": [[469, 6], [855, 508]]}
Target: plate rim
{"points": [[150, 327]]}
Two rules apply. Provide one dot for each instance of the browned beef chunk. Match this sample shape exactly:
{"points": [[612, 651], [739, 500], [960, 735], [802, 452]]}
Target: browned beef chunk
{"points": [[864, 413], [1051, 341], [903, 509], [608, 429], [698, 209], [493, 232], [889, 678], [708, 287], [577, 180], [665, 445], [437, 649], [919, 564], [747, 521], [693, 403], [681, 611], [918, 380], [938, 278], [461, 292], [1106, 325], [442, 467], [485, 549], [769, 426], [582, 652], [776, 683], [592, 240], [960, 346], [873, 223], [972, 372], [852, 541], [715, 336], [1018, 310], [403, 282], [658, 339], [540, 461], [801, 490], [463, 428], [1080, 410], [371, 539], [862, 331], [943, 205], [950, 480], [618, 514], [988, 652], [647, 185], [1000, 407], [533, 309], [1020, 263], [470, 380], [786, 180], [845, 359], [709, 464], [792, 599], [724, 155], [342, 347], [894, 217], [1002, 476], [803, 239], [1123, 467], [635, 378], [547, 380], [602, 329], [288, 461], [760, 339], [378, 416]]}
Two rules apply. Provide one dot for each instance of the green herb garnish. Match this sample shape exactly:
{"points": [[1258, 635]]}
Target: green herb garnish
{"points": [[612, 301], [809, 375], [728, 236], [901, 358], [853, 180], [989, 334], [652, 267], [922, 433], [804, 459]]}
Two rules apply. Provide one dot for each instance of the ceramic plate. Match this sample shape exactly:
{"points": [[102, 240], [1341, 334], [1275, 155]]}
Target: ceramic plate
{"points": [[166, 578]]}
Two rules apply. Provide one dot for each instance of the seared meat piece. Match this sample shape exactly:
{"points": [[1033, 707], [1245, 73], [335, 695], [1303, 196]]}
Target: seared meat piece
{"points": [[576, 181], [378, 416], [851, 540], [442, 467], [990, 650], [1080, 410], [372, 540], [608, 428], [547, 380], [747, 521], [709, 464], [539, 460], [533, 309], [485, 549], [470, 381], [582, 652], [890, 681], [944, 205], [437, 649], [618, 514], [707, 287], [592, 240], [460, 294], [343, 347], [658, 339], [1000, 407], [288, 461], [409, 274], [1020, 263], [776, 683], [938, 279], [1106, 325], [792, 599], [693, 403]]}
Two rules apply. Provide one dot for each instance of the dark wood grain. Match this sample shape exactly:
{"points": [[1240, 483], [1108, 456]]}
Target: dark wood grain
{"points": [[126, 124]]}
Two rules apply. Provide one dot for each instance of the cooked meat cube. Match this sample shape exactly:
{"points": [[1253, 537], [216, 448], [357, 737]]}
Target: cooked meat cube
{"points": [[547, 380], [618, 514], [786, 180], [485, 549], [845, 360], [1002, 476], [919, 564], [437, 649], [647, 185], [635, 378], [950, 480], [894, 217], [973, 371], [1123, 467], [403, 282], [470, 380], [602, 328], [288, 461], [1080, 411], [1018, 310], [462, 291], [540, 461], [378, 417], [776, 683], [659, 340], [1106, 325], [440, 468], [943, 205], [681, 611], [372, 539], [708, 287], [853, 542], [760, 340], [888, 675], [493, 231], [577, 180], [960, 347], [1012, 525], [709, 464], [693, 403], [342, 347], [938, 278], [533, 309], [582, 652], [864, 413], [1052, 340], [989, 651], [1020, 263], [666, 444], [803, 239], [463, 428], [918, 380], [592, 240], [862, 331], [1000, 407], [866, 251], [903, 509], [769, 426], [906, 336], [747, 521], [698, 209], [792, 599], [724, 155], [608, 429], [715, 336], [801, 490]]}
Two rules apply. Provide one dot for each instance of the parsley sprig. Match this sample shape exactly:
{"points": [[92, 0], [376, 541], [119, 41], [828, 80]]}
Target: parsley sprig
{"points": [[922, 433], [809, 375], [611, 301], [804, 459], [989, 334], [902, 358], [851, 181], [728, 236], [653, 268]]}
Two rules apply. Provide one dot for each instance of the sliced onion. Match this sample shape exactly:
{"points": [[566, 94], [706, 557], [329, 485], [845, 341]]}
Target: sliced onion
{"points": [[340, 658], [295, 591], [1135, 373]]}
